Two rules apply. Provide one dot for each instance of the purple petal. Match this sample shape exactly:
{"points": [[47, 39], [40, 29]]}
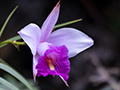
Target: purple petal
{"points": [[31, 35], [42, 67], [58, 56], [76, 41], [49, 23], [35, 62]]}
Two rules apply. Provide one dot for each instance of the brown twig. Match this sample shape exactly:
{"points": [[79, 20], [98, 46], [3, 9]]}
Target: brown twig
{"points": [[104, 73]]}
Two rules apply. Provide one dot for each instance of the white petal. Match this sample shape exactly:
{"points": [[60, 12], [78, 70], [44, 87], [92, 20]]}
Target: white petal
{"points": [[31, 35], [75, 40], [35, 62], [49, 23]]}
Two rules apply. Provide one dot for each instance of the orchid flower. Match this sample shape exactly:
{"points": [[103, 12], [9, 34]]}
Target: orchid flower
{"points": [[51, 50]]}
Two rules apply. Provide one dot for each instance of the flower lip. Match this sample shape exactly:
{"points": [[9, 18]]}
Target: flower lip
{"points": [[54, 62], [50, 60]]}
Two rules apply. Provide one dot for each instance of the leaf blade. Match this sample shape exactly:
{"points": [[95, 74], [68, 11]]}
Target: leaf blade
{"points": [[67, 23], [8, 18], [15, 74], [8, 84]]}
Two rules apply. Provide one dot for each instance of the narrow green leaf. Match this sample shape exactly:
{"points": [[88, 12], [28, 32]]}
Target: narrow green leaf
{"points": [[2, 89], [16, 75], [8, 84], [15, 38], [2, 61], [8, 18], [2, 45], [67, 23]]}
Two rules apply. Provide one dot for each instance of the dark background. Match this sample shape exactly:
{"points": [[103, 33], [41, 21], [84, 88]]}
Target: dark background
{"points": [[101, 21]]}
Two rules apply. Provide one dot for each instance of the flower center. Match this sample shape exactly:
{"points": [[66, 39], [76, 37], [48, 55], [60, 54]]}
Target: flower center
{"points": [[50, 60], [51, 65]]}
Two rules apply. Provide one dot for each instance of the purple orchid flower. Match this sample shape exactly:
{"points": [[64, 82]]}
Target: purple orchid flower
{"points": [[51, 50]]}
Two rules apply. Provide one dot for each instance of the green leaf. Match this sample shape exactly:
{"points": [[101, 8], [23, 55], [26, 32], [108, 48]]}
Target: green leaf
{"points": [[15, 74], [67, 23], [15, 38], [2, 89], [8, 18], [2, 61], [8, 84]]}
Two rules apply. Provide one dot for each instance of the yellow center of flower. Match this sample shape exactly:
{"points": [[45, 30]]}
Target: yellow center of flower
{"points": [[50, 60], [50, 65]]}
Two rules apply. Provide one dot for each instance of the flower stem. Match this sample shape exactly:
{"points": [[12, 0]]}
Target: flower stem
{"points": [[18, 43], [6, 42], [13, 42]]}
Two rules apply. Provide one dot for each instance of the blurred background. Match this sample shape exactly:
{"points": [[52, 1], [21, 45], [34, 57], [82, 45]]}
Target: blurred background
{"points": [[97, 68]]}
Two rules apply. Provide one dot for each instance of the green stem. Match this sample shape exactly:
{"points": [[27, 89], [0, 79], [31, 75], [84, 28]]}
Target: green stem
{"points": [[6, 42], [18, 43], [13, 42]]}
